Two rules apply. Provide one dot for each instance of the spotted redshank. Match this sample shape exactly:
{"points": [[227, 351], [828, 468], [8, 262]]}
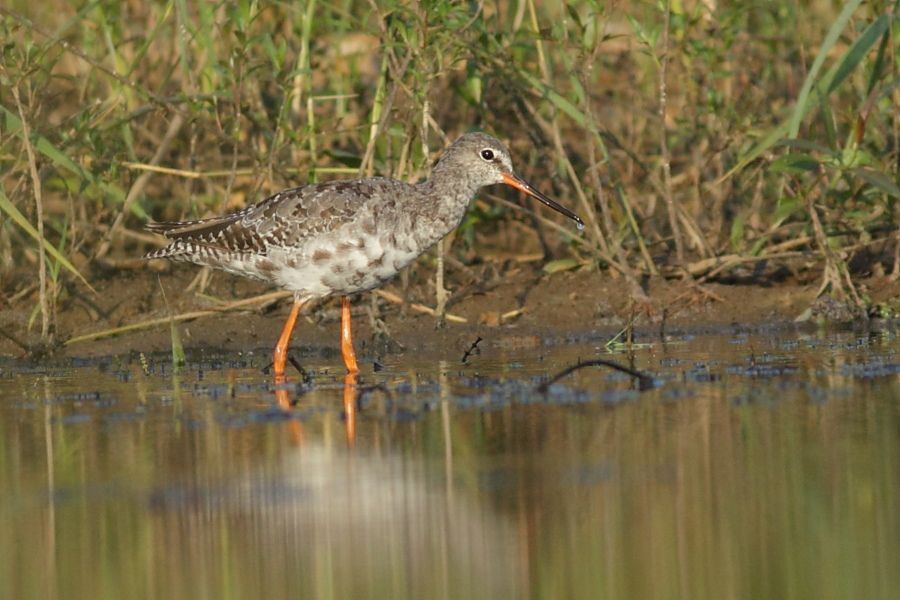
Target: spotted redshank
{"points": [[345, 237]]}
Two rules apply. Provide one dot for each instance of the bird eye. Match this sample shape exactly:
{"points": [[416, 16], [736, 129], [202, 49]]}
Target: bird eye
{"points": [[487, 154]]}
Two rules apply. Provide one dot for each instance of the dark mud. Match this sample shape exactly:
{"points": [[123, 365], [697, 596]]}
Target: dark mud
{"points": [[509, 304]]}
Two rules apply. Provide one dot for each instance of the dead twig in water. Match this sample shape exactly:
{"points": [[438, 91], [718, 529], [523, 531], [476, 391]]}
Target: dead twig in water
{"points": [[645, 381], [471, 350], [305, 376]]}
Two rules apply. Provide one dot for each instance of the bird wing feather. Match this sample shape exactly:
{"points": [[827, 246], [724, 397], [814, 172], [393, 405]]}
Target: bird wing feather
{"points": [[285, 219]]}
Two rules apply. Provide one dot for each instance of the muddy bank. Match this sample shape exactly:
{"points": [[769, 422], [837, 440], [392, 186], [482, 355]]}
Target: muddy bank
{"points": [[503, 304]]}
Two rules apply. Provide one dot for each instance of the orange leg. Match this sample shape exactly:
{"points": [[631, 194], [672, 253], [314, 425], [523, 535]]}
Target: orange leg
{"points": [[281, 348], [347, 338], [282, 395]]}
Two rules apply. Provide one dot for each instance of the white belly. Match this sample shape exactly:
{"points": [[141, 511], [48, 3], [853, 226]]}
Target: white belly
{"points": [[348, 269]]}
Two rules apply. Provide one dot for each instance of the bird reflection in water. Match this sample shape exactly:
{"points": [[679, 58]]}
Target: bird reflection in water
{"points": [[350, 395]]}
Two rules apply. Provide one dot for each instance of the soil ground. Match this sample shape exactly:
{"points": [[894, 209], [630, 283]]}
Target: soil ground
{"points": [[520, 305]]}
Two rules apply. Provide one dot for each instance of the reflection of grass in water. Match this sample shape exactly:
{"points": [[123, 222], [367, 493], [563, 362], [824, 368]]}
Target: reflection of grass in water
{"points": [[698, 502], [699, 497], [177, 347], [174, 336]]}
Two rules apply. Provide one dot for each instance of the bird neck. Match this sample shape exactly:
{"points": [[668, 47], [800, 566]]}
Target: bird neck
{"points": [[445, 196], [448, 192]]}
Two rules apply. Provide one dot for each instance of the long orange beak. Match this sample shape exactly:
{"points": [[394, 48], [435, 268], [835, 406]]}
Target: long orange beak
{"points": [[520, 184]]}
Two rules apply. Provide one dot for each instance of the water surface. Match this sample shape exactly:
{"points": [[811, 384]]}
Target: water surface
{"points": [[761, 464]]}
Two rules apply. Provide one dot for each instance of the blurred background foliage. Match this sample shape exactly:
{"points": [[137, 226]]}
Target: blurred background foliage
{"points": [[704, 139]]}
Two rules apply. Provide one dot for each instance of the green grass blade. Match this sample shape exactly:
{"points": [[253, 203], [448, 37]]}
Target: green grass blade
{"points": [[854, 54], [878, 71], [772, 138], [555, 97], [150, 39], [178, 358], [829, 82], [10, 209], [830, 39], [45, 147]]}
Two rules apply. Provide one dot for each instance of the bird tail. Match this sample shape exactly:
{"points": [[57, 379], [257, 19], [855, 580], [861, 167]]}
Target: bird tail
{"points": [[177, 250], [190, 236]]}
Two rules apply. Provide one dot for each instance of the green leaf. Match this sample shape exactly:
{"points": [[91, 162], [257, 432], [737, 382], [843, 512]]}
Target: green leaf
{"points": [[473, 88], [648, 37], [877, 72], [878, 180], [562, 264], [555, 97], [786, 208], [795, 163], [737, 232], [843, 67], [10, 209], [573, 14], [854, 157]]}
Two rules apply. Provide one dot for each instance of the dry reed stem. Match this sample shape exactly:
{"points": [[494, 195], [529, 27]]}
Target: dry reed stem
{"points": [[665, 158], [835, 275], [895, 273], [440, 292], [237, 305], [188, 316], [557, 142], [379, 121], [138, 188], [39, 216], [636, 290], [226, 172], [180, 172], [301, 82], [367, 164], [708, 268], [638, 236], [419, 308]]}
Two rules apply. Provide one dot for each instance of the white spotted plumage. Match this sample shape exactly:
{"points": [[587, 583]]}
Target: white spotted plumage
{"points": [[344, 237]]}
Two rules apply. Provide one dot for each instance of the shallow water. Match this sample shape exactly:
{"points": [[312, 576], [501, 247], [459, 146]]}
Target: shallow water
{"points": [[761, 463]]}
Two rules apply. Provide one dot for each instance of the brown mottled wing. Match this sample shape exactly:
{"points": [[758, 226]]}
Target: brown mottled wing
{"points": [[286, 219], [291, 218]]}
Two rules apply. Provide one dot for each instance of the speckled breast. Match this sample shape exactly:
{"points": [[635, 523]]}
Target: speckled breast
{"points": [[343, 267]]}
